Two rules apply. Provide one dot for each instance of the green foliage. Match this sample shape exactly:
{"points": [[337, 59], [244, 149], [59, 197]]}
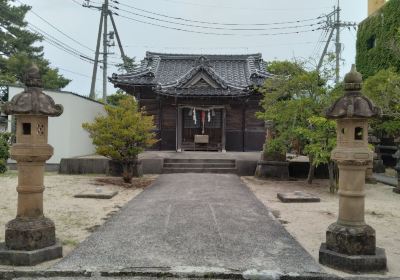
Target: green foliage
{"points": [[123, 132], [19, 49], [383, 89], [128, 65], [319, 139], [378, 40], [290, 101], [114, 99], [4, 150]]}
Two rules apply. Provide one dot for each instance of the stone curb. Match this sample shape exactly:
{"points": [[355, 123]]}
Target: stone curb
{"points": [[166, 273]]}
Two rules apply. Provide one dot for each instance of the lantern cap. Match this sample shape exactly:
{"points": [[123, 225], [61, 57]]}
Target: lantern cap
{"points": [[33, 101], [353, 104]]}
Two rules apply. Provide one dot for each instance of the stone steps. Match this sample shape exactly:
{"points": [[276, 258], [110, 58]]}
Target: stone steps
{"points": [[193, 165], [199, 165]]}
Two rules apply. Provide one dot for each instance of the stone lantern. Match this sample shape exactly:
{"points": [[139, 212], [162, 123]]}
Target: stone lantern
{"points": [[350, 242], [30, 237]]}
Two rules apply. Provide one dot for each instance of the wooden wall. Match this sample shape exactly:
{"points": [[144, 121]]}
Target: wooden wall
{"points": [[244, 132]]}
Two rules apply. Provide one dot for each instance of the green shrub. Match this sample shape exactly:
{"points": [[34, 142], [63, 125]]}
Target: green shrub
{"points": [[4, 150]]}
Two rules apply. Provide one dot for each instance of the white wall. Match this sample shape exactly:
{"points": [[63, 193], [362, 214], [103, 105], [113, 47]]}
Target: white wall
{"points": [[66, 134]]}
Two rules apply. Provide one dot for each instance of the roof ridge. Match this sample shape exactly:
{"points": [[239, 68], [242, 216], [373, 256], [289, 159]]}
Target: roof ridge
{"points": [[196, 55]]}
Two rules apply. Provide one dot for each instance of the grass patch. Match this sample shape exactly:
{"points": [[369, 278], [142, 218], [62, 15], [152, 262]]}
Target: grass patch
{"points": [[70, 242], [9, 174]]}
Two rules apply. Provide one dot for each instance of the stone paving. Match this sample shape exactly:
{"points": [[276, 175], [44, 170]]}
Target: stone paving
{"points": [[388, 180], [185, 221]]}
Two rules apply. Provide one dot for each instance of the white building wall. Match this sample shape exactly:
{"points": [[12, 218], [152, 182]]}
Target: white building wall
{"points": [[66, 134]]}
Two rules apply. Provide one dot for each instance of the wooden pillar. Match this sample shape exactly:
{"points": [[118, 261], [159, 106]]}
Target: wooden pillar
{"points": [[159, 120], [223, 137], [179, 129], [244, 126]]}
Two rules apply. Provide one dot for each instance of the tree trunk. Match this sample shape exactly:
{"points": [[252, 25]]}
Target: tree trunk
{"points": [[127, 173], [332, 181], [311, 172]]}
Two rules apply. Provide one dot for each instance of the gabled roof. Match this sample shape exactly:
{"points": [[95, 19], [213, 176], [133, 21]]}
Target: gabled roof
{"points": [[173, 73]]}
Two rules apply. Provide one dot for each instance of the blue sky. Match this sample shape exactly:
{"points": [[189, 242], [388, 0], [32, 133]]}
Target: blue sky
{"points": [[81, 24]]}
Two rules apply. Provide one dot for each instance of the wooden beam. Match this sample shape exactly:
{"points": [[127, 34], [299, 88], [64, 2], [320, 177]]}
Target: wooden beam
{"points": [[223, 137]]}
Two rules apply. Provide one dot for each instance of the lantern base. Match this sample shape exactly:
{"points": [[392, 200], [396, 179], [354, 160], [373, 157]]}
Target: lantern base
{"points": [[353, 263], [272, 169], [29, 258], [30, 234], [351, 240]]}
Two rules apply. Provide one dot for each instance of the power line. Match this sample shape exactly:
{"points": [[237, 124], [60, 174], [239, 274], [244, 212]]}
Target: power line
{"points": [[218, 28], [225, 48], [319, 44], [213, 33], [75, 73], [334, 25], [216, 23], [56, 28], [48, 36], [57, 43], [240, 8]]}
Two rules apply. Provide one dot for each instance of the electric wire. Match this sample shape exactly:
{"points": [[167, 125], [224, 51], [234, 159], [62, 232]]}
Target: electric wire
{"points": [[319, 44], [216, 23], [238, 8], [214, 33], [57, 41], [217, 28], [56, 28]]}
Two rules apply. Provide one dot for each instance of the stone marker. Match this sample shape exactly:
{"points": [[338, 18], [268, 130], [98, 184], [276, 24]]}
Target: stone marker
{"points": [[30, 237], [297, 196], [350, 242], [97, 193]]}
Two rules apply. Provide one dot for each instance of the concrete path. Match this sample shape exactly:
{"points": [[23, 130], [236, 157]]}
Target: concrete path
{"points": [[388, 180], [189, 220]]}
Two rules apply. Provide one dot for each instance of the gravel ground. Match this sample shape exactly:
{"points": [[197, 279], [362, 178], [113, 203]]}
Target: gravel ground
{"points": [[307, 222], [75, 218]]}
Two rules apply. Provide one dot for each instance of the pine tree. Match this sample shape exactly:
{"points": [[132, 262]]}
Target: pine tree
{"points": [[19, 48]]}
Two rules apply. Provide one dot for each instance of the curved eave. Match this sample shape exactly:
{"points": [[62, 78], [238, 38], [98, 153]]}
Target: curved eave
{"points": [[213, 94], [117, 83]]}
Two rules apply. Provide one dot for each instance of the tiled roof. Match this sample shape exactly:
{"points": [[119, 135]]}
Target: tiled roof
{"points": [[169, 73]]}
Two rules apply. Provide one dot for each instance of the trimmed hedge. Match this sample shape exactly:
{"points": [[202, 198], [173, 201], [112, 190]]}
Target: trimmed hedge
{"points": [[378, 40]]}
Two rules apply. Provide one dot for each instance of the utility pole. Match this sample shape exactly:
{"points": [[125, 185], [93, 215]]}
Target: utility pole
{"points": [[121, 50], [92, 94], [333, 24], [107, 38], [338, 46], [105, 50]]}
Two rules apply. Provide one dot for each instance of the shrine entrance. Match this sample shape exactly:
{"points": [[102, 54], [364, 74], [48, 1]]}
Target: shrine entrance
{"points": [[201, 129]]}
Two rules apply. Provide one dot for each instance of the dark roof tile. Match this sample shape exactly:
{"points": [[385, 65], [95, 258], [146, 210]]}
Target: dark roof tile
{"points": [[237, 72]]}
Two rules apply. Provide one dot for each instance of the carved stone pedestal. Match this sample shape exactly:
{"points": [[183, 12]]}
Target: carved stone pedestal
{"points": [[353, 263], [29, 258], [272, 169]]}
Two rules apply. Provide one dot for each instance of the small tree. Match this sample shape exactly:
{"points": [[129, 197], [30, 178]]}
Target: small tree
{"points": [[4, 150], [294, 99], [319, 140], [384, 90], [122, 134]]}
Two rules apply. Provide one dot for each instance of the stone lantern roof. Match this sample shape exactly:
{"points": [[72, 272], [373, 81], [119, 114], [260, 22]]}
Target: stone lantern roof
{"points": [[353, 104], [33, 101]]}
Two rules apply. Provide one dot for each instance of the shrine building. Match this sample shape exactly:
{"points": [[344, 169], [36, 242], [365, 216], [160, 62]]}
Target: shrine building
{"points": [[200, 102]]}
